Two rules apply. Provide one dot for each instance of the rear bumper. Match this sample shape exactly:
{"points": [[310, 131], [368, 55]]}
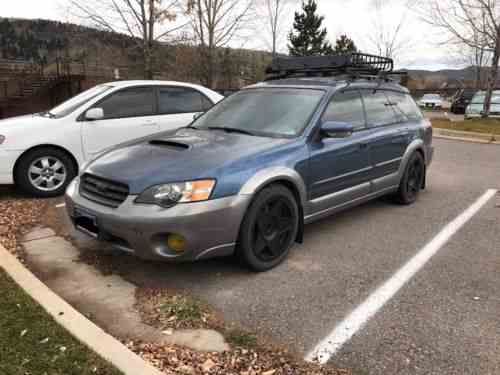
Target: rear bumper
{"points": [[7, 161], [210, 228]]}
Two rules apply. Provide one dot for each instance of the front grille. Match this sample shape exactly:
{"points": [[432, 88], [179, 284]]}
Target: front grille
{"points": [[106, 192]]}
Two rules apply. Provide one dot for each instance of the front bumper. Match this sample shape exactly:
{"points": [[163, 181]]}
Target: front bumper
{"points": [[7, 161], [210, 228]]}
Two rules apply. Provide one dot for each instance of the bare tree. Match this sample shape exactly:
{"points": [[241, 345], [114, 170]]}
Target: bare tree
{"points": [[474, 24], [143, 20], [388, 39], [273, 15], [215, 23]]}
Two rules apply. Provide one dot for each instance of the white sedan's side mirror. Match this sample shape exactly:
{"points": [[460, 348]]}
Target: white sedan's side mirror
{"points": [[94, 114]]}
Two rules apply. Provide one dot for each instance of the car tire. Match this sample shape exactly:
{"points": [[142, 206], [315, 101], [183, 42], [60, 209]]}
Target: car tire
{"points": [[45, 172], [269, 229], [412, 181]]}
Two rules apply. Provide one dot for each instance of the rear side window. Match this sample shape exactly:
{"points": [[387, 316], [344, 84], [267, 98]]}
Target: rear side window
{"points": [[181, 100], [405, 107], [378, 108], [346, 107], [131, 102]]}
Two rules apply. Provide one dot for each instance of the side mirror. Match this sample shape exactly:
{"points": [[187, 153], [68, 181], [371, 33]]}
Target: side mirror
{"points": [[334, 129], [94, 114]]}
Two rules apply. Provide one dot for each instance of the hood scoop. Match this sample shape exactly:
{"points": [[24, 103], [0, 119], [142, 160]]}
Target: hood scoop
{"points": [[171, 144]]}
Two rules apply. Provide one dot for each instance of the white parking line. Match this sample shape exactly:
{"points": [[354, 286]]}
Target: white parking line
{"points": [[359, 316], [61, 205]]}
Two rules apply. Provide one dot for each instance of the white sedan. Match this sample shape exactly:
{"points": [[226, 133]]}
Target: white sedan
{"points": [[433, 101], [41, 153]]}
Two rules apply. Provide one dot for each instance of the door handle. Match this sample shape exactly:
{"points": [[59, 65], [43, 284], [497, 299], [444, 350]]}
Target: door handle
{"points": [[363, 145], [149, 123]]}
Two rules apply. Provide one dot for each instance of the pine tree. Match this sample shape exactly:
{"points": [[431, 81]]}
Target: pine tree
{"points": [[309, 39], [345, 44]]}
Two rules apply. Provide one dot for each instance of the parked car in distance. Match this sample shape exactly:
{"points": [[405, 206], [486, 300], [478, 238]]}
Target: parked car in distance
{"points": [[476, 106], [461, 100], [246, 176], [431, 101], [41, 153]]}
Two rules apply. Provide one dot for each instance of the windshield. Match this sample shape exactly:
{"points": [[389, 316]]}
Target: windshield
{"points": [[70, 105], [265, 112], [431, 97], [479, 97]]}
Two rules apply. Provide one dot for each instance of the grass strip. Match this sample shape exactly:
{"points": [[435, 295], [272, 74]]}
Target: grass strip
{"points": [[31, 342]]}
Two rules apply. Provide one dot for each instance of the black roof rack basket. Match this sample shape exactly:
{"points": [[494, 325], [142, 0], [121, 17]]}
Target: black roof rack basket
{"points": [[352, 63]]}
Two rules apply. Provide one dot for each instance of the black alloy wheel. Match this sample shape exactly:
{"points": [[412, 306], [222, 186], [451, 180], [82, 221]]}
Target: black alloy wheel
{"points": [[272, 229], [413, 180], [269, 228]]}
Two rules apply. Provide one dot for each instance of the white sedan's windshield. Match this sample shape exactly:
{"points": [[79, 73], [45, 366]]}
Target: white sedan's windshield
{"points": [[480, 96], [267, 112], [70, 105], [431, 97]]}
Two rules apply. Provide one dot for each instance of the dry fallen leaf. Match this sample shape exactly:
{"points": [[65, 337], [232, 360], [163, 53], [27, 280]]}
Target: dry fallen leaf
{"points": [[208, 365]]}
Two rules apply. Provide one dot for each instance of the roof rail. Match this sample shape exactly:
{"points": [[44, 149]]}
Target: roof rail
{"points": [[324, 66]]}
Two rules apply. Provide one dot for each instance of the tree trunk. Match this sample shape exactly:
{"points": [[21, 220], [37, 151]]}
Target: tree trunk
{"points": [[492, 79], [148, 63]]}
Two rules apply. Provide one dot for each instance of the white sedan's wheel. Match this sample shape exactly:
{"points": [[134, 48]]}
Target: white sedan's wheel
{"points": [[45, 172]]}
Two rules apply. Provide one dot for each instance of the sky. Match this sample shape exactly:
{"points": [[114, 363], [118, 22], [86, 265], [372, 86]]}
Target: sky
{"points": [[357, 18]]}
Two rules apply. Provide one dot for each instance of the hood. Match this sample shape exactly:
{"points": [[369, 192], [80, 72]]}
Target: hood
{"points": [[183, 155], [18, 125]]}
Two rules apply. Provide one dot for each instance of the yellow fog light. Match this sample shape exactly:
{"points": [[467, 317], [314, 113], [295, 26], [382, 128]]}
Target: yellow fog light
{"points": [[176, 243]]}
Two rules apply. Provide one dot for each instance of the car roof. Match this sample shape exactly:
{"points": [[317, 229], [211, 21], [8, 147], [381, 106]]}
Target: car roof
{"points": [[330, 83], [131, 83]]}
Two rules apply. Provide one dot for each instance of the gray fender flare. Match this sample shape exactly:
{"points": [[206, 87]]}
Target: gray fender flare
{"points": [[414, 146], [269, 175]]}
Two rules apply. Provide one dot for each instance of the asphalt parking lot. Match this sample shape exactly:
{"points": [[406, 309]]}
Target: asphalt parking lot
{"points": [[444, 320]]}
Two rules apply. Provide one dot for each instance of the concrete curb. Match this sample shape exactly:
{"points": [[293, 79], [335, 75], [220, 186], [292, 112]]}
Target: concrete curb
{"points": [[462, 139], [79, 326], [466, 136]]}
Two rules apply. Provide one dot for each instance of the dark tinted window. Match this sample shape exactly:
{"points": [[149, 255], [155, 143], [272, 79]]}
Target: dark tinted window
{"points": [[132, 102], [346, 107], [182, 100], [378, 109], [405, 107]]}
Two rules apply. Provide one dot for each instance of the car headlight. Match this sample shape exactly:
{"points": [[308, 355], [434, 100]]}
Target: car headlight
{"points": [[167, 195], [2, 139]]}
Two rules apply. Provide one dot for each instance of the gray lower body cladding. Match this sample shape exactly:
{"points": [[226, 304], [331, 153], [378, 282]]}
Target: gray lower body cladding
{"points": [[210, 228]]}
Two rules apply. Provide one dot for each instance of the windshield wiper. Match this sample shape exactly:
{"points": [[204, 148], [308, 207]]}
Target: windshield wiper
{"points": [[231, 130]]}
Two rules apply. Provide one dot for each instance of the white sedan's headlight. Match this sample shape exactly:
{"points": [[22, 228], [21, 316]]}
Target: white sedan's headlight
{"points": [[2, 139], [168, 195]]}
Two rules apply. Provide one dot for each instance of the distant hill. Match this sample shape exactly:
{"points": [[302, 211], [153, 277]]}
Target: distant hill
{"points": [[447, 78]]}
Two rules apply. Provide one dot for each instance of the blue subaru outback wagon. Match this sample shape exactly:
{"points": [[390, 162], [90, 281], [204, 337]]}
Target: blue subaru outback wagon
{"points": [[321, 135]]}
